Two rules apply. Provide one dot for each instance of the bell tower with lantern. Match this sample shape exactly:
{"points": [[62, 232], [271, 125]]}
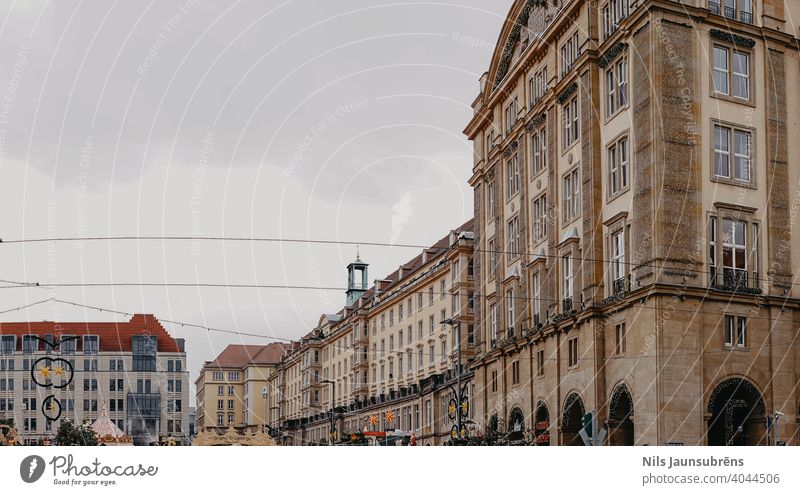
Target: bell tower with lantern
{"points": [[357, 276]]}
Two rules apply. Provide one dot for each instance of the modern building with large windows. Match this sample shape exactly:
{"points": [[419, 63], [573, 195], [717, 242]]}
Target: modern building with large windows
{"points": [[635, 201], [52, 372]]}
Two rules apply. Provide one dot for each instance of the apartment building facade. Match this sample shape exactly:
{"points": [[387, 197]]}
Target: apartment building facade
{"points": [[51, 372], [636, 187], [387, 362], [232, 390]]}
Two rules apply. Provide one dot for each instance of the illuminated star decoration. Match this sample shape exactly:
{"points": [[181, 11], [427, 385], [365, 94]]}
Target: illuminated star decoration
{"points": [[390, 416], [52, 406], [451, 408], [45, 371], [373, 420], [59, 371]]}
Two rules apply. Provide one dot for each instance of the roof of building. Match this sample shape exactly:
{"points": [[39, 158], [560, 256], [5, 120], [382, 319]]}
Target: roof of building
{"points": [[113, 336], [238, 355]]}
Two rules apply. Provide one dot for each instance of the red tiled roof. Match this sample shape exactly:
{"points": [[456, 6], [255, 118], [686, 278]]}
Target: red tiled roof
{"points": [[238, 355], [114, 336]]}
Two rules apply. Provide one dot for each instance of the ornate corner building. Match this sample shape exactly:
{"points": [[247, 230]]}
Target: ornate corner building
{"points": [[635, 203]]}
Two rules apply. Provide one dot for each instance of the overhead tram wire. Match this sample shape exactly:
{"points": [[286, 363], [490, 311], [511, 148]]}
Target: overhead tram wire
{"points": [[334, 242], [405, 292], [203, 327]]}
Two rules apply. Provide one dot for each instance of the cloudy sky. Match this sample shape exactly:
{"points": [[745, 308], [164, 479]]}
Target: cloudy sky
{"points": [[310, 119]]}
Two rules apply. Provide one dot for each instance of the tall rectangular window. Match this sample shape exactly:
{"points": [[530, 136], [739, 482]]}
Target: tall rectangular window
{"points": [[734, 252], [510, 316], [513, 237], [618, 261], [570, 52], [539, 152], [512, 176], [490, 200], [537, 86], [573, 352], [735, 331], [618, 166], [613, 13], [511, 113], [616, 87], [620, 337], [493, 321], [540, 362], [731, 72], [572, 195], [491, 256], [566, 268], [740, 170], [536, 289], [571, 120], [721, 71], [539, 219], [515, 379]]}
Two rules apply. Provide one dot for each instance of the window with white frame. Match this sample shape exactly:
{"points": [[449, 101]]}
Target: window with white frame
{"points": [[566, 285], [734, 251], [489, 141], [512, 175], [493, 322], [616, 86], [731, 72], [613, 13], [735, 331], [510, 320], [570, 52], [618, 261], [539, 208], [538, 151], [620, 334], [618, 168], [571, 122], [490, 200], [513, 237], [536, 289], [511, 113], [572, 195], [537, 85], [732, 153], [491, 256]]}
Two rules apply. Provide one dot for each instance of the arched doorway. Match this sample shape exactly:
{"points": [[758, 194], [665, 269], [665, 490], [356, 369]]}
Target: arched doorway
{"points": [[572, 420], [620, 417], [516, 425], [737, 414], [541, 425]]}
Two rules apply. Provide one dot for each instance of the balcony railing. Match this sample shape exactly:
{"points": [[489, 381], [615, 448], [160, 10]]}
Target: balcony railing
{"points": [[567, 304], [618, 286], [734, 280], [730, 12]]}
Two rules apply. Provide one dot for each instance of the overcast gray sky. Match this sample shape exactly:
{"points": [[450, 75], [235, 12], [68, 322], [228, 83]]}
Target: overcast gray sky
{"points": [[301, 119]]}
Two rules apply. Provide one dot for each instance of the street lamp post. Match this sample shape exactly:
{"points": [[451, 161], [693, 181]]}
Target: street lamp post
{"points": [[333, 408], [458, 392]]}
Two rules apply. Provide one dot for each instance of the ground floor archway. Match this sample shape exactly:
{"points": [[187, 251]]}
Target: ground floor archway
{"points": [[572, 420], [516, 424], [541, 424], [620, 417], [737, 414]]}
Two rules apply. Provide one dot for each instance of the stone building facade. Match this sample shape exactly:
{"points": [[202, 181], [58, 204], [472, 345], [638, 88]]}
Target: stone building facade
{"points": [[635, 200], [233, 389], [387, 362]]}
